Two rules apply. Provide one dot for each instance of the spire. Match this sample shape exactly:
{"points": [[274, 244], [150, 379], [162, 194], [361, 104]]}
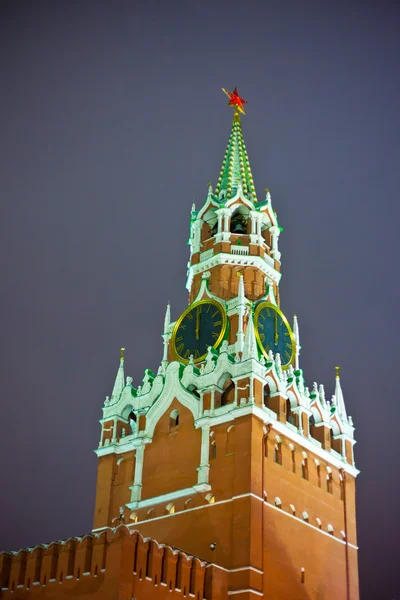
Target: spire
{"points": [[250, 344], [119, 380], [339, 396], [235, 170]]}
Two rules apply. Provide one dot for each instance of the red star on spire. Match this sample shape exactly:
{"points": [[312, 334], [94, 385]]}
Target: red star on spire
{"points": [[235, 100]]}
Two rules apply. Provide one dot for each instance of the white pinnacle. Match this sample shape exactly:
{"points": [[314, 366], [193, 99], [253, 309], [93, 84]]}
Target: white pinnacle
{"points": [[119, 380], [250, 344], [167, 319], [339, 397]]}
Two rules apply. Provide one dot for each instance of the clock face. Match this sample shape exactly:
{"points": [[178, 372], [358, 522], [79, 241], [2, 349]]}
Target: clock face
{"points": [[203, 324], [273, 333]]}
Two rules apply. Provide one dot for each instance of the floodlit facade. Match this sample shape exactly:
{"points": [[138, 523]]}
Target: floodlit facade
{"points": [[222, 475]]}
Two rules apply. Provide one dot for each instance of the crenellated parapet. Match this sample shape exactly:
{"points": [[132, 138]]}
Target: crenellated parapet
{"points": [[89, 566]]}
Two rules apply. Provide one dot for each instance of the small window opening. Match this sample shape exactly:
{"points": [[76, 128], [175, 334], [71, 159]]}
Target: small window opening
{"points": [[330, 529], [173, 420], [305, 516], [213, 453], [319, 475], [329, 483], [278, 454], [293, 461], [304, 468]]}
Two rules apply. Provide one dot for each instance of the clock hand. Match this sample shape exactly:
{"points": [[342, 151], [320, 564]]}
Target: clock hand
{"points": [[276, 335]]}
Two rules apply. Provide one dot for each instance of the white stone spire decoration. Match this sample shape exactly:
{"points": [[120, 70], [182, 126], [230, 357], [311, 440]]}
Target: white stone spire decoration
{"points": [[119, 380], [242, 301], [250, 344], [296, 336], [339, 396], [166, 335]]}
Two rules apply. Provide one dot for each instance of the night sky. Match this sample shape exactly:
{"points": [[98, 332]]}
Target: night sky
{"points": [[112, 122]]}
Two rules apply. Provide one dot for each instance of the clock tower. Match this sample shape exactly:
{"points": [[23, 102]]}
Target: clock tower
{"points": [[224, 453]]}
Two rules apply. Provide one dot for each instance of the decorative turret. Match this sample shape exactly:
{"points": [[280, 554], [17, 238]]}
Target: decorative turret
{"points": [[119, 380]]}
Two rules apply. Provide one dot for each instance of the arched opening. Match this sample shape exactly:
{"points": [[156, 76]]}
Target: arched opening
{"points": [[305, 516], [132, 421], [278, 502], [210, 498], [290, 416], [266, 395], [239, 221], [228, 394], [330, 529], [173, 420]]}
